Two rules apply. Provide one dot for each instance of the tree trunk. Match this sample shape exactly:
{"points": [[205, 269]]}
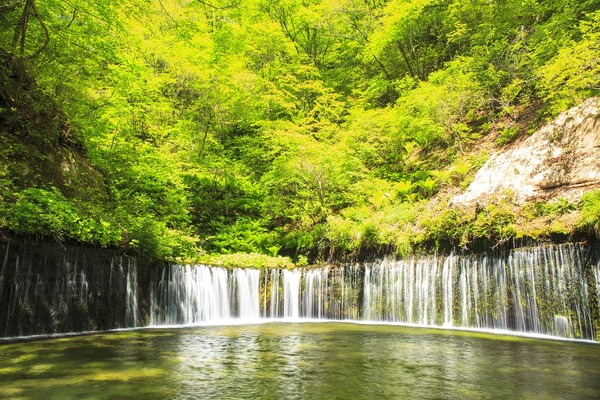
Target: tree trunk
{"points": [[20, 33]]}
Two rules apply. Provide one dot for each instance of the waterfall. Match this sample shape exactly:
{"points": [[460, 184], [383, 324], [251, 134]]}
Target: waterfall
{"points": [[247, 280], [291, 293], [524, 291], [543, 290], [44, 291], [194, 294], [274, 307], [547, 289], [131, 295]]}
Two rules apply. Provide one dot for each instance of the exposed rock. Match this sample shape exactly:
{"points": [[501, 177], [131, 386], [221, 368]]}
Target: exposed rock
{"points": [[562, 159]]}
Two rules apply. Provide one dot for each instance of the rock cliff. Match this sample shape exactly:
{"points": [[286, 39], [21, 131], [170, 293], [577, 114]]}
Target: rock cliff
{"points": [[562, 159]]}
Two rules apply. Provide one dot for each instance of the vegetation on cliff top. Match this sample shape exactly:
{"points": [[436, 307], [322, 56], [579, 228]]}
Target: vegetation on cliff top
{"points": [[180, 128]]}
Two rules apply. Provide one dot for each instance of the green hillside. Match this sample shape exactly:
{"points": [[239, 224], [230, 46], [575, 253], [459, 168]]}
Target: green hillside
{"points": [[314, 128]]}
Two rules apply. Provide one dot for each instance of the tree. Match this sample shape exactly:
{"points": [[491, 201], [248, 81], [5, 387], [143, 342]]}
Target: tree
{"points": [[412, 38], [574, 73], [30, 12]]}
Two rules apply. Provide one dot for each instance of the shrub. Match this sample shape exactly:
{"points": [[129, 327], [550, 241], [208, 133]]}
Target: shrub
{"points": [[244, 236], [590, 212], [507, 135], [48, 213], [341, 233]]}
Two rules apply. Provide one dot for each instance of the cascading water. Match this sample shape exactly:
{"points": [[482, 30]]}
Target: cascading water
{"points": [[523, 292], [195, 294], [291, 293], [551, 289], [274, 309], [542, 290], [45, 291]]}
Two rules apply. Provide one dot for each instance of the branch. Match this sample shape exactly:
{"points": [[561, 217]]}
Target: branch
{"points": [[20, 33], [73, 18], [44, 27], [21, 29], [229, 5], [166, 12], [81, 9]]}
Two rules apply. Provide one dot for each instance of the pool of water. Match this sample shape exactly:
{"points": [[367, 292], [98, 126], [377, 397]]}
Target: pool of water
{"points": [[299, 361]]}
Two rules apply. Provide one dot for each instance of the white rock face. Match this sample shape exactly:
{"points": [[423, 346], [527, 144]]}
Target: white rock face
{"points": [[562, 159]]}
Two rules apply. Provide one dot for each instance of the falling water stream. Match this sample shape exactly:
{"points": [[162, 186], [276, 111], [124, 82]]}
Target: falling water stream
{"points": [[545, 290], [46, 290], [549, 290]]}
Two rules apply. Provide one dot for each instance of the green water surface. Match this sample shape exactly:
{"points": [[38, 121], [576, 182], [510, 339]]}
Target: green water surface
{"points": [[299, 361]]}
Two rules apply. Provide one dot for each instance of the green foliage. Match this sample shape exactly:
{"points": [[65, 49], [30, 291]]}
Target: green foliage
{"points": [[248, 260], [443, 226], [507, 135], [412, 38], [495, 222], [343, 234], [590, 212], [150, 237], [574, 72], [277, 127], [244, 236], [48, 213], [554, 208]]}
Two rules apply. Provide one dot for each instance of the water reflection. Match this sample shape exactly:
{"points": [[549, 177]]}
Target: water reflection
{"points": [[299, 361]]}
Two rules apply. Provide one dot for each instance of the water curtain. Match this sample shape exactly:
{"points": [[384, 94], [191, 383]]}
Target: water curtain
{"points": [[548, 289]]}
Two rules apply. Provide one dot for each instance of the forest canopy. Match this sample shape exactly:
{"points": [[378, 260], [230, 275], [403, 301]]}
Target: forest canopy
{"points": [[279, 127]]}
